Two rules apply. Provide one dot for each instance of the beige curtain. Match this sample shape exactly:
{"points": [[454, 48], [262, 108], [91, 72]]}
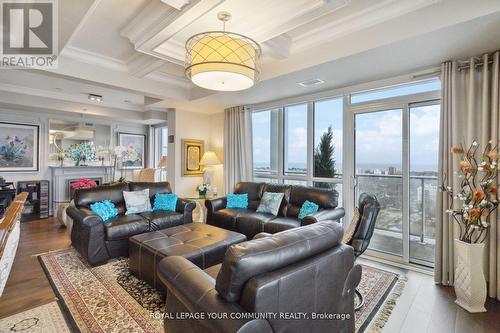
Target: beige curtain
{"points": [[237, 147], [469, 111]]}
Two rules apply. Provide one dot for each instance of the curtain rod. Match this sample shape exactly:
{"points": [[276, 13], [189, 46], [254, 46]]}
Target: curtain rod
{"points": [[465, 65]]}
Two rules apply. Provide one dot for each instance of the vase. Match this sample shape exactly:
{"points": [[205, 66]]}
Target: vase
{"points": [[470, 284], [202, 194]]}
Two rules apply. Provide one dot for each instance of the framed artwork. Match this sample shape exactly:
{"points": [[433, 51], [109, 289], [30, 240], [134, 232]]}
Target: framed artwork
{"points": [[192, 152], [134, 155], [19, 147]]}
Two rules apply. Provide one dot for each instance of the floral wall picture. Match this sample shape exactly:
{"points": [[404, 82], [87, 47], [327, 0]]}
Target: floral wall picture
{"points": [[19, 147], [192, 152], [133, 156]]}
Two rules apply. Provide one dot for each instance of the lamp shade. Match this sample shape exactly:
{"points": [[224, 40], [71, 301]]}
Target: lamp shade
{"points": [[224, 61], [209, 158]]}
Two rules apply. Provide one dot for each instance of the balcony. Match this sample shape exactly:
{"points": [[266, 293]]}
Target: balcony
{"points": [[388, 235]]}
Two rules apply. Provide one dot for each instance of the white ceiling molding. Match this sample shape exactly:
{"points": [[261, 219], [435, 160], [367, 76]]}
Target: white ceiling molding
{"points": [[81, 23], [360, 19], [141, 65], [278, 47], [177, 4], [92, 58]]}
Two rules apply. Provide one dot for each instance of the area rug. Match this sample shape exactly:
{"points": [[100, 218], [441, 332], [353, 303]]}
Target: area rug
{"points": [[108, 298], [47, 318]]}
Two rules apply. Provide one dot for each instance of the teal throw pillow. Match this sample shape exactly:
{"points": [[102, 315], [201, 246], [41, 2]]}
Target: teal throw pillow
{"points": [[137, 201], [105, 209], [308, 208], [270, 203], [237, 200], [165, 201]]}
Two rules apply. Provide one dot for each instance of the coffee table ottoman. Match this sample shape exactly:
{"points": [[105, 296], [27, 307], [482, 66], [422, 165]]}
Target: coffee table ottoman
{"points": [[202, 244]]}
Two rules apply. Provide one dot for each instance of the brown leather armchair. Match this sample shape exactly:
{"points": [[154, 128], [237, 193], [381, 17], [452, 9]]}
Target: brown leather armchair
{"points": [[263, 281]]}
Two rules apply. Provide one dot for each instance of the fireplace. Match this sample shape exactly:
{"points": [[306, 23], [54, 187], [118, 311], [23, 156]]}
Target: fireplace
{"points": [[71, 190]]}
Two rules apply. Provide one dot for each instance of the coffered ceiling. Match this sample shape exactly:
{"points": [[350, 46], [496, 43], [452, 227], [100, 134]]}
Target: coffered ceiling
{"points": [[133, 50]]}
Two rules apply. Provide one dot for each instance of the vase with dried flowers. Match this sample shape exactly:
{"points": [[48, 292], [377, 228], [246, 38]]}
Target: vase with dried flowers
{"points": [[471, 206]]}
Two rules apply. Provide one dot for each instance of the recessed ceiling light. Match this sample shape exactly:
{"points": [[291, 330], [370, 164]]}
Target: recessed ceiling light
{"points": [[312, 82], [95, 98], [58, 89]]}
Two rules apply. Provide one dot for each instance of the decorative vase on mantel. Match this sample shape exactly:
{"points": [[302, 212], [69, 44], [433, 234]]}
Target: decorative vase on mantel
{"points": [[471, 205], [470, 284]]}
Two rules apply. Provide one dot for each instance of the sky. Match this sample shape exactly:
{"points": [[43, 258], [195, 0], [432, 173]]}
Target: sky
{"points": [[378, 134]]}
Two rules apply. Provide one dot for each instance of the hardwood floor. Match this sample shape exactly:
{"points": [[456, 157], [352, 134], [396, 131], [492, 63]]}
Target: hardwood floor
{"points": [[423, 306], [28, 286]]}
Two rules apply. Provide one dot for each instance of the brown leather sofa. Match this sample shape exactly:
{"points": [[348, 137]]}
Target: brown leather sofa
{"points": [[250, 223], [304, 270], [98, 242]]}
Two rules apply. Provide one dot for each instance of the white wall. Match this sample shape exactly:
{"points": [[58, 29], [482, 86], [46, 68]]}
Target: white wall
{"points": [[200, 126]]}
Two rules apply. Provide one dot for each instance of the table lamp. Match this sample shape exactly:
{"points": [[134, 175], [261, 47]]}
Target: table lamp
{"points": [[209, 159]]}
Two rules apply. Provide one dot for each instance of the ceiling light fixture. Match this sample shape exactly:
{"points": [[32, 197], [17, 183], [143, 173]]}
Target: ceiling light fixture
{"points": [[221, 60], [95, 98]]}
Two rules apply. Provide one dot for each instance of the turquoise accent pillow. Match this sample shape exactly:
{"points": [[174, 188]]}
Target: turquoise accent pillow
{"points": [[308, 208], [165, 201], [137, 201], [105, 209], [237, 200], [270, 203]]}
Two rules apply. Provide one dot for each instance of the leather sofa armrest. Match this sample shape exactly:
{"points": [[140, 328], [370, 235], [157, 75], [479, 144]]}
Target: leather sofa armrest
{"points": [[195, 289], [214, 205], [326, 214], [87, 235], [186, 207], [262, 235], [84, 215]]}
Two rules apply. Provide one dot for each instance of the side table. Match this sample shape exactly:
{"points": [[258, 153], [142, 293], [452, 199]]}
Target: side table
{"points": [[200, 212]]}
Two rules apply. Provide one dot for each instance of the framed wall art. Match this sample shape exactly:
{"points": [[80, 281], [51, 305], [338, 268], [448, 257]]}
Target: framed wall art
{"points": [[19, 147], [192, 152], [134, 154]]}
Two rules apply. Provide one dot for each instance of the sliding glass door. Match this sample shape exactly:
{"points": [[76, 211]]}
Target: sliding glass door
{"points": [[378, 171], [396, 153]]}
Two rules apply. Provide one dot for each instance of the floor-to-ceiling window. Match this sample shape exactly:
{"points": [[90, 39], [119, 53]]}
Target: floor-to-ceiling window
{"points": [[300, 144], [390, 150]]}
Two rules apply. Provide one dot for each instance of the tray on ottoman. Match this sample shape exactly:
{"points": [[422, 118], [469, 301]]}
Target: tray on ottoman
{"points": [[202, 244]]}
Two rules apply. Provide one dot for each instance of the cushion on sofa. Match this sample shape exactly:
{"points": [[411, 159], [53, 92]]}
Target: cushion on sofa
{"points": [[270, 203], [165, 201], [281, 224], [137, 201], [254, 191], [277, 188], [162, 219], [237, 201], [124, 226], [324, 198], [154, 187], [308, 208], [105, 209]]}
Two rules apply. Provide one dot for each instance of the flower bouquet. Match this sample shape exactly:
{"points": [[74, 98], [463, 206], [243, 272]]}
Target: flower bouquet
{"points": [[475, 200], [81, 152], [202, 190], [79, 184]]}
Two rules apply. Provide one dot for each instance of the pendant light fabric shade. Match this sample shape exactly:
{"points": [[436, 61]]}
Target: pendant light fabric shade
{"points": [[223, 61]]}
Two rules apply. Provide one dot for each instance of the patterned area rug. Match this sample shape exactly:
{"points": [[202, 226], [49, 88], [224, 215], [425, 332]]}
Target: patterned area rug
{"points": [[46, 318], [108, 299]]}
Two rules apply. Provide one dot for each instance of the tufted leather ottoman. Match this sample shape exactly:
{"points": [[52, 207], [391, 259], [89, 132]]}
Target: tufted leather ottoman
{"points": [[202, 244]]}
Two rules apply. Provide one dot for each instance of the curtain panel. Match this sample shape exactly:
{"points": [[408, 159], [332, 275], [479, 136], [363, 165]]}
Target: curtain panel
{"points": [[237, 146], [469, 111]]}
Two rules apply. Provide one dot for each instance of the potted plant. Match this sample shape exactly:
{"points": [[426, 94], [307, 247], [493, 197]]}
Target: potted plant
{"points": [[471, 205], [202, 190]]}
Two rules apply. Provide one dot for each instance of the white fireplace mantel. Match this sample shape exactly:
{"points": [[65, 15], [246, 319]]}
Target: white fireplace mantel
{"points": [[61, 175]]}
